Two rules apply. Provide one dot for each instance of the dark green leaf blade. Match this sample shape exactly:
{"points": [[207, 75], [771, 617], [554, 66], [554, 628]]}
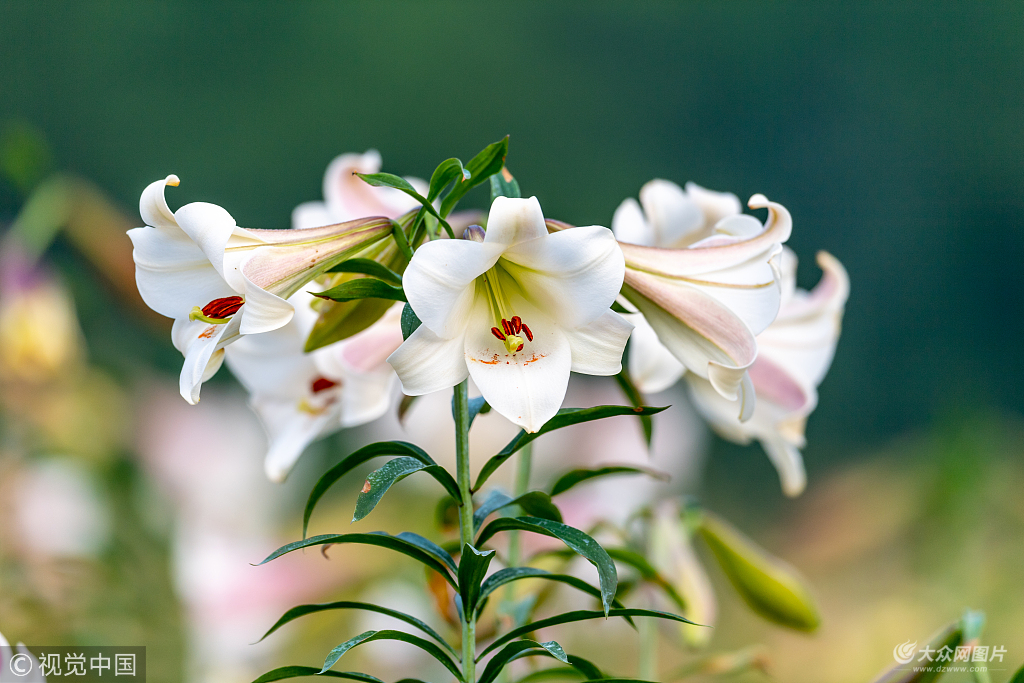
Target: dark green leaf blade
{"points": [[504, 185], [379, 481], [472, 567], [387, 634], [636, 398], [447, 171], [578, 615], [284, 672], [575, 539], [578, 476], [533, 503], [410, 321], [377, 538], [564, 418], [510, 574], [647, 572], [428, 546], [513, 650], [365, 266], [355, 459], [302, 610], [481, 167], [399, 183], [363, 288]]}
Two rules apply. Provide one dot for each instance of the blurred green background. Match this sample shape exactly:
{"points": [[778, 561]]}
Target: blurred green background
{"points": [[893, 133]]}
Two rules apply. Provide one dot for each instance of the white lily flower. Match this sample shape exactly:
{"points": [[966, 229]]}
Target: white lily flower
{"points": [[706, 283], [219, 281], [300, 396], [516, 311], [347, 196], [795, 353]]}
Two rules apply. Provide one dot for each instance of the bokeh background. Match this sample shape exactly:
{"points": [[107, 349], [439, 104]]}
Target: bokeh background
{"points": [[893, 132]]}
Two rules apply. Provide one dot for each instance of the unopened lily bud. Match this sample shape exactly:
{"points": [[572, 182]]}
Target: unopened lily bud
{"points": [[474, 233]]}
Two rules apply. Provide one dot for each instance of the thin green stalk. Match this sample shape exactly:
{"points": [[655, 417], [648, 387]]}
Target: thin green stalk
{"points": [[524, 462], [466, 531], [648, 667]]}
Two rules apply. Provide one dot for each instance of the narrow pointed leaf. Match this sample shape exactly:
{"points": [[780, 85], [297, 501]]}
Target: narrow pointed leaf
{"points": [[533, 503], [402, 240], [447, 171], [577, 666], [387, 634], [428, 546], [575, 539], [481, 167], [379, 481], [354, 460], [510, 574], [410, 321], [399, 183], [284, 672], [504, 185], [578, 476], [380, 539], [472, 568], [369, 267], [647, 572], [302, 610], [637, 400], [564, 418], [770, 587], [512, 651], [363, 288], [578, 615]]}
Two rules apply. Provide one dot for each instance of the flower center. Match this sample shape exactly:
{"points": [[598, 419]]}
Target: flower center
{"points": [[218, 311], [509, 327], [322, 384]]}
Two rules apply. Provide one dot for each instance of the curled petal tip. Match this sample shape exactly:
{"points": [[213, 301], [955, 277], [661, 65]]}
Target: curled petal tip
{"points": [[172, 180], [757, 201]]}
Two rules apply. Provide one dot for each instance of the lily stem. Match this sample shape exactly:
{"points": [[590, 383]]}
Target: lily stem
{"points": [[466, 530], [648, 665], [524, 463]]}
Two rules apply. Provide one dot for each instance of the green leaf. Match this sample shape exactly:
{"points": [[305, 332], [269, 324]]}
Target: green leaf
{"points": [[1019, 676], [303, 610], [447, 171], [637, 400], [368, 636], [510, 574], [354, 460], [379, 481], [284, 672], [511, 652], [647, 572], [402, 240], [504, 185], [770, 587], [577, 666], [427, 546], [477, 406], [378, 538], [552, 673], [533, 503], [578, 476], [481, 167], [472, 568], [399, 183], [575, 539], [363, 288], [410, 321], [369, 267], [564, 418], [577, 615]]}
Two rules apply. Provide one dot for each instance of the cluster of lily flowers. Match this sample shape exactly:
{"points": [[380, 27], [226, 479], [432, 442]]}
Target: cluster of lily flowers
{"points": [[702, 292]]}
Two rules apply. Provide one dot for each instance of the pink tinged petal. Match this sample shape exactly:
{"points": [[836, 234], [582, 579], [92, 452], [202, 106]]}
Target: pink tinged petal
{"points": [[675, 218], [153, 206], [348, 196], [366, 351], [652, 367], [688, 263], [512, 221], [203, 347], [172, 273], [714, 205], [789, 463], [597, 348], [440, 282], [526, 387], [572, 275], [630, 225], [774, 384], [426, 363]]}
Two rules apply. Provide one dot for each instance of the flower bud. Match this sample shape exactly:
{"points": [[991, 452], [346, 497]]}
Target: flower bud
{"points": [[474, 233]]}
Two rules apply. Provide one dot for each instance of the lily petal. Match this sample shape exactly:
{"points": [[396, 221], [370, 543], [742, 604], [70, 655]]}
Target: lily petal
{"points": [[153, 205], [630, 225], [290, 431], [789, 463], [348, 196], [210, 227], [597, 348], [675, 218], [575, 274], [263, 311], [426, 363], [311, 215], [512, 221], [203, 347], [714, 205], [652, 367]]}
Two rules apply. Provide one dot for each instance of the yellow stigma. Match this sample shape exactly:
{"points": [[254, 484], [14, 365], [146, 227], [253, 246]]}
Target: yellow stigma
{"points": [[507, 326]]}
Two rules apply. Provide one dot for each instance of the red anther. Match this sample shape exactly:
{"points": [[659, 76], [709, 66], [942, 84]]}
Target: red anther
{"points": [[529, 335], [222, 308], [506, 326], [517, 323], [520, 348], [497, 333], [322, 384]]}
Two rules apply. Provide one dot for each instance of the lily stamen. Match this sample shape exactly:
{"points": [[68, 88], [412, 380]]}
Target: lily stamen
{"points": [[218, 311]]}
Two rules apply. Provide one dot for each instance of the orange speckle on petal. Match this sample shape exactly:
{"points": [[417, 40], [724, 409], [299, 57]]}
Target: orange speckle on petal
{"points": [[208, 332]]}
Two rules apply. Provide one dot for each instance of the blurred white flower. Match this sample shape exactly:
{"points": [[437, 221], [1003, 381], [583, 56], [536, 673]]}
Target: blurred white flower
{"points": [[794, 355], [516, 311], [219, 281], [302, 396], [705, 288]]}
